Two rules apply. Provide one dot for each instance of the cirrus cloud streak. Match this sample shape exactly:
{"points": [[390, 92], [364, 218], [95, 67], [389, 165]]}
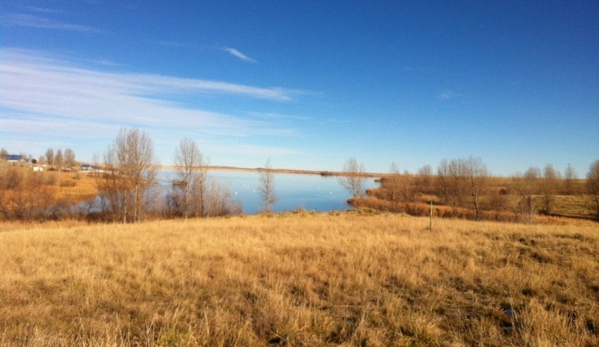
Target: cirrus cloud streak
{"points": [[41, 95], [239, 55]]}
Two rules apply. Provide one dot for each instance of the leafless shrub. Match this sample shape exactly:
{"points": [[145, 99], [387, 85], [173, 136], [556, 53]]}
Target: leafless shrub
{"points": [[393, 184], [424, 179], [477, 176], [353, 177], [569, 183], [527, 187], [592, 183], [220, 202], [189, 189], [24, 196], [69, 158], [497, 202], [50, 156], [266, 187], [458, 178], [548, 188], [130, 171]]}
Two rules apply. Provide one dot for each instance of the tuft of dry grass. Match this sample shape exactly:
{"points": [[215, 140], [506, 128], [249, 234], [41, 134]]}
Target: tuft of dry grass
{"points": [[300, 279], [75, 187], [575, 205]]}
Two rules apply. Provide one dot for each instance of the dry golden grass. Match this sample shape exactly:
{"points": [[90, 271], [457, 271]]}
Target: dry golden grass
{"points": [[301, 279], [27, 195], [76, 187], [575, 206]]}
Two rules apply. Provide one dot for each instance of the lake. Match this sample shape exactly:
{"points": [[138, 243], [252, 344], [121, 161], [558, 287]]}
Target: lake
{"points": [[310, 192]]}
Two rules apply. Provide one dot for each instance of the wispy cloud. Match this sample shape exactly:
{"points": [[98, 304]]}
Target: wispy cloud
{"points": [[449, 94], [29, 68], [272, 115], [48, 96], [239, 55], [26, 124], [33, 21], [42, 9], [104, 62], [260, 151], [172, 44]]}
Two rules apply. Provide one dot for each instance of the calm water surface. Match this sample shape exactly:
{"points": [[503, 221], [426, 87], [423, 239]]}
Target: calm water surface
{"points": [[311, 192]]}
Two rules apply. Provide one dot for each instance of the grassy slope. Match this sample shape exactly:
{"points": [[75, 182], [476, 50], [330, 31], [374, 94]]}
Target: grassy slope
{"points": [[301, 279]]}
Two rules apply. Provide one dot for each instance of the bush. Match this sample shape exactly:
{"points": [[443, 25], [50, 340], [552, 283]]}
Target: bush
{"points": [[68, 183]]}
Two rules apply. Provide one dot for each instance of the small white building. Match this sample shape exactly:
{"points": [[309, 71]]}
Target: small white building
{"points": [[13, 158]]}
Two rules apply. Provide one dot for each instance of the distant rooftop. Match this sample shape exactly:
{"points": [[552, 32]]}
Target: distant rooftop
{"points": [[12, 157]]}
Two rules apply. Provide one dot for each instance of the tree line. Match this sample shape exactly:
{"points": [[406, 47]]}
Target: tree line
{"points": [[128, 191], [51, 159], [464, 187], [127, 186]]}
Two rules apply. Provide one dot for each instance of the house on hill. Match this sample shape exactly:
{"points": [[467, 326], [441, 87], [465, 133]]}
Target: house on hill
{"points": [[88, 167], [21, 160], [13, 158]]}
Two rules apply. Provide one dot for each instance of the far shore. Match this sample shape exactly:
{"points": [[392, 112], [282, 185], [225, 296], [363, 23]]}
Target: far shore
{"points": [[282, 171]]}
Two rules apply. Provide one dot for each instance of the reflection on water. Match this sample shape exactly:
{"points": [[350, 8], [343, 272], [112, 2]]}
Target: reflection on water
{"points": [[311, 192]]}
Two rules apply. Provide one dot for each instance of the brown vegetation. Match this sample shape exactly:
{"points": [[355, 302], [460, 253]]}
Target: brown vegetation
{"points": [[189, 194], [266, 187], [128, 187], [300, 279], [593, 184], [353, 178], [27, 195], [129, 174], [463, 188]]}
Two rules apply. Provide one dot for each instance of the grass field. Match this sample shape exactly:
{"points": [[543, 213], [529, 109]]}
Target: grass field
{"points": [[300, 279], [576, 206]]}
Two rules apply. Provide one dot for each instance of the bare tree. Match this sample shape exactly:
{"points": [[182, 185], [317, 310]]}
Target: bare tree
{"points": [[592, 183], [458, 175], [570, 177], [392, 183], [266, 187], [191, 183], [478, 176], [58, 159], [497, 201], [50, 156], [408, 184], [549, 186], [220, 202], [527, 185], [424, 179], [69, 158], [130, 173], [353, 177], [442, 182]]}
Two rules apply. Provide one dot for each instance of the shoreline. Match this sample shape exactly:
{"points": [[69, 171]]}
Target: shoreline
{"points": [[280, 171]]}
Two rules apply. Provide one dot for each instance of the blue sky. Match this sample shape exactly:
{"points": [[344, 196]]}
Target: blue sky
{"points": [[307, 84]]}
